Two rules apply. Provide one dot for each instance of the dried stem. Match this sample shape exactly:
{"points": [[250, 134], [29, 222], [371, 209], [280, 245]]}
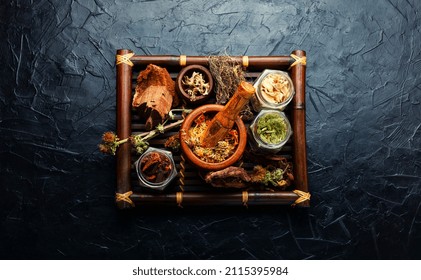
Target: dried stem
{"points": [[151, 134]]}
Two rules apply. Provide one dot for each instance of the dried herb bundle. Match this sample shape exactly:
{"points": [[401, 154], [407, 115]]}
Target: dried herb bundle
{"points": [[228, 74]]}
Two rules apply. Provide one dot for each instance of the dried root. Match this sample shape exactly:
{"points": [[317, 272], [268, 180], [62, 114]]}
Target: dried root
{"points": [[230, 177], [274, 177], [228, 74]]}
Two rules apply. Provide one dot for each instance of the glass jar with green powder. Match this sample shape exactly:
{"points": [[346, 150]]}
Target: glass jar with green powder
{"points": [[270, 130]]}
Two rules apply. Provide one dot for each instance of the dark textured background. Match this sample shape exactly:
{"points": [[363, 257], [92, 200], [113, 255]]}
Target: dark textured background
{"points": [[363, 128]]}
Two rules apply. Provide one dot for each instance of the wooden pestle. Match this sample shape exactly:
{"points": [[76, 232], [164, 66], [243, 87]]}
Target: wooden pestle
{"points": [[224, 120]]}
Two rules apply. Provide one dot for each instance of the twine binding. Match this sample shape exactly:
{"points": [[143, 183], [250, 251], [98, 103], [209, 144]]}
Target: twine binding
{"points": [[183, 60], [302, 196], [245, 61], [298, 60], [179, 199], [181, 178], [245, 198], [181, 172], [124, 58], [124, 197]]}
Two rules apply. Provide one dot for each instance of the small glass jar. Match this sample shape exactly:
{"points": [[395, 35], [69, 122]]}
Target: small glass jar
{"points": [[270, 130], [274, 90], [155, 169]]}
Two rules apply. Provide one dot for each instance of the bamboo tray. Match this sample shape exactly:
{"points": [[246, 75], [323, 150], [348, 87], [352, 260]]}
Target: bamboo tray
{"points": [[189, 189]]}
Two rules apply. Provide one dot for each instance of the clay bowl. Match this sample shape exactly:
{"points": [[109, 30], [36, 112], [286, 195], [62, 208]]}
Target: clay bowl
{"points": [[211, 110], [182, 89]]}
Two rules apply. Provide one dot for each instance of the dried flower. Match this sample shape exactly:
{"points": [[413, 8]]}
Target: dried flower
{"points": [[223, 149], [139, 143], [273, 177], [160, 128], [109, 137], [110, 141], [270, 175], [173, 142], [104, 148]]}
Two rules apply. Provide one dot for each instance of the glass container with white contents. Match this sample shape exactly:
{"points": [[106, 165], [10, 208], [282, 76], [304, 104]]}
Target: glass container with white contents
{"points": [[274, 90]]}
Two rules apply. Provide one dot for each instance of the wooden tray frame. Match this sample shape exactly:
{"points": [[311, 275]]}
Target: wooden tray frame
{"points": [[127, 197]]}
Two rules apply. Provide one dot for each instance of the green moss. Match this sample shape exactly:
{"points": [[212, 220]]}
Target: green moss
{"points": [[271, 128]]}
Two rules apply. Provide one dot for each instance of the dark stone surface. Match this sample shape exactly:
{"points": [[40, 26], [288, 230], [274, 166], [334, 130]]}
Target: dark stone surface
{"points": [[363, 128]]}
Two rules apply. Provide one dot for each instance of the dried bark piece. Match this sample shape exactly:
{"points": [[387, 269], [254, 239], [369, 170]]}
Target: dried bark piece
{"points": [[230, 177], [154, 95]]}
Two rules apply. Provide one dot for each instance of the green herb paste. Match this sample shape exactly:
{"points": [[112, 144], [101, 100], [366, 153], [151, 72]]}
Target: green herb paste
{"points": [[271, 128]]}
